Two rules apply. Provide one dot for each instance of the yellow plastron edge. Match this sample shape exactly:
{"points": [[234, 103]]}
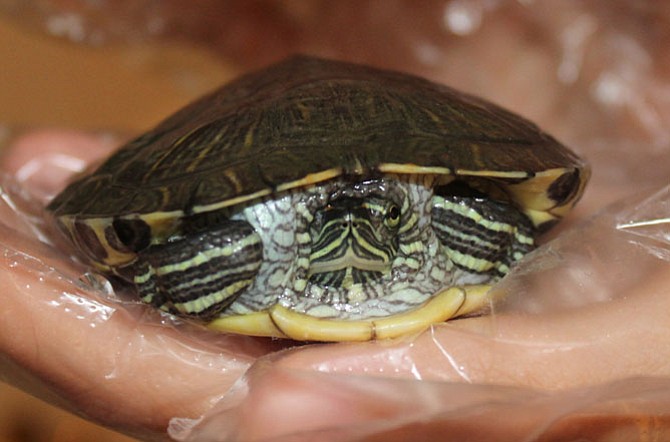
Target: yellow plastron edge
{"points": [[281, 322]]}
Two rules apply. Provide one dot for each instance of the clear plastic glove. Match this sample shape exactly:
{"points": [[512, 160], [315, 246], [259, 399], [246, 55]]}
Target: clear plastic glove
{"points": [[577, 345]]}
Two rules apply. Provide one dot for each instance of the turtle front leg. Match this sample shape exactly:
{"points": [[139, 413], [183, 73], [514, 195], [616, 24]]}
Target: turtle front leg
{"points": [[481, 235], [199, 274]]}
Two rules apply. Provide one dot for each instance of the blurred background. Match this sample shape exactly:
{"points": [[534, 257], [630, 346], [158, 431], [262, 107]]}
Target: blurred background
{"points": [[593, 73]]}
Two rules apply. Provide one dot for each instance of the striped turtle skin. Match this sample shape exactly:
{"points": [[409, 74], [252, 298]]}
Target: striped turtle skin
{"points": [[323, 200]]}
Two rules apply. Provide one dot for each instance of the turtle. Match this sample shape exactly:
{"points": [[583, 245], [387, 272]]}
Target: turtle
{"points": [[322, 200]]}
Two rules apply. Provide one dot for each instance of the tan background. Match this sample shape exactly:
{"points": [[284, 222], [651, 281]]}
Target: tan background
{"points": [[48, 82]]}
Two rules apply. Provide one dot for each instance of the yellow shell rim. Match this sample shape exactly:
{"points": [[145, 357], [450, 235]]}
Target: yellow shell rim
{"points": [[281, 322]]}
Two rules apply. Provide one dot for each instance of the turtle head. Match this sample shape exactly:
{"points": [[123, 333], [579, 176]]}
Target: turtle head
{"points": [[354, 240]]}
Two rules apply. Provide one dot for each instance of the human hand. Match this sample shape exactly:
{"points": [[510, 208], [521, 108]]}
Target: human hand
{"points": [[121, 366]]}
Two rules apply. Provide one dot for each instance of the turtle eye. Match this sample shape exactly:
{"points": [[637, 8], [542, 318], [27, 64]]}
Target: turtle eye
{"points": [[133, 233], [392, 216]]}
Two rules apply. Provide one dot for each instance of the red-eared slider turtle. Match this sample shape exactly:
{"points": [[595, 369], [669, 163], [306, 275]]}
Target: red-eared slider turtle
{"points": [[322, 200]]}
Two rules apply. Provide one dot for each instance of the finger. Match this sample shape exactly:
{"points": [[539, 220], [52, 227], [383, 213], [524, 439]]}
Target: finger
{"points": [[294, 405], [46, 160]]}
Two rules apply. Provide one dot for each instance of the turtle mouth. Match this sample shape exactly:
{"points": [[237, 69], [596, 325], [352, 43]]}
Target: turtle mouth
{"points": [[354, 240]]}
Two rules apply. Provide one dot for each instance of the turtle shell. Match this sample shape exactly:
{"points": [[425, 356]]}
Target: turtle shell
{"points": [[306, 120]]}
